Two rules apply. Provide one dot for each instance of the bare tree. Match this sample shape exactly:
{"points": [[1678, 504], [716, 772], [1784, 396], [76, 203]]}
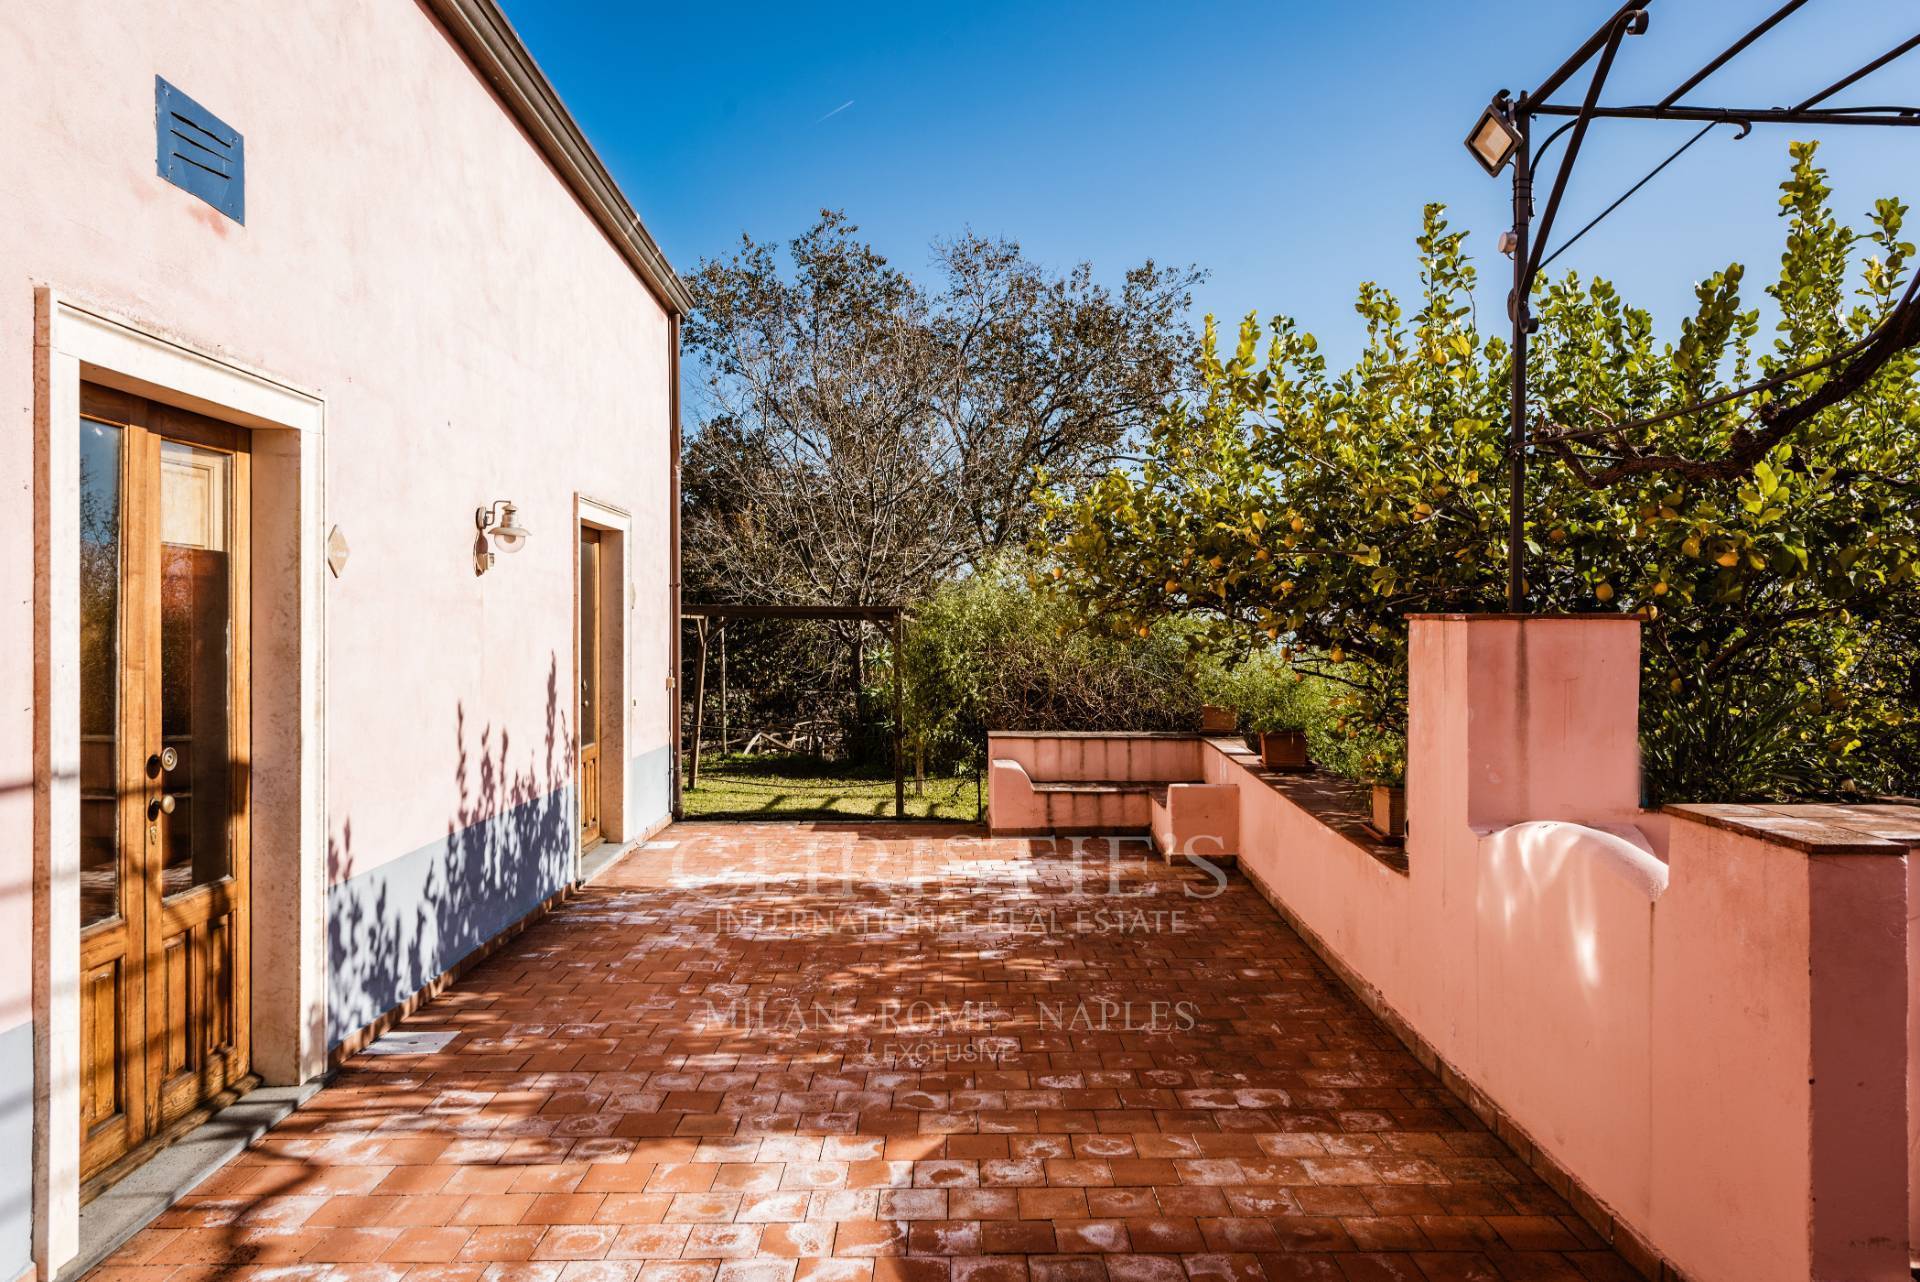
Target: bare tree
{"points": [[1048, 372], [865, 437]]}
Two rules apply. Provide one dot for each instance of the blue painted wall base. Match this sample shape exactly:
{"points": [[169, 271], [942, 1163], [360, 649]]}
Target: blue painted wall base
{"points": [[394, 929], [16, 1149]]}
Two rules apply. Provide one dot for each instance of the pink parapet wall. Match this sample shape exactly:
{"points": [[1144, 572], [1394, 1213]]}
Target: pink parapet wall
{"points": [[1698, 1019], [1913, 1047], [1524, 718]]}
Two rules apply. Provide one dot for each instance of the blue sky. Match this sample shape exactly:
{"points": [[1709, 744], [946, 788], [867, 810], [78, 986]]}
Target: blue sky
{"points": [[1285, 147]]}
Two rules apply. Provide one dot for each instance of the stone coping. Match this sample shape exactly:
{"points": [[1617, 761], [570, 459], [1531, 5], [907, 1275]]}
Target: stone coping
{"points": [[1094, 734], [1602, 616], [1872, 829], [1341, 806]]}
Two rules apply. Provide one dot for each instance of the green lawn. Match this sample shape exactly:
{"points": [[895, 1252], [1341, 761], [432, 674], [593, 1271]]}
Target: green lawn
{"points": [[739, 787]]}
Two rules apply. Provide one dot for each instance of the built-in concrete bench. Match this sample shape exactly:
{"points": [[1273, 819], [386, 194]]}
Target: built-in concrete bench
{"points": [[1064, 785], [1021, 806], [1199, 820]]}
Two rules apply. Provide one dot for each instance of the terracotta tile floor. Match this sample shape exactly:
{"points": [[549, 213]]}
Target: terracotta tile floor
{"points": [[761, 1053]]}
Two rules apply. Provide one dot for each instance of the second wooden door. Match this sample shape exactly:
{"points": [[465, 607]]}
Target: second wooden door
{"points": [[590, 700]]}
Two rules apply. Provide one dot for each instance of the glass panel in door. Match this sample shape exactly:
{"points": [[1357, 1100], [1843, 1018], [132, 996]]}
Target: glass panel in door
{"points": [[100, 453], [589, 640], [196, 665]]}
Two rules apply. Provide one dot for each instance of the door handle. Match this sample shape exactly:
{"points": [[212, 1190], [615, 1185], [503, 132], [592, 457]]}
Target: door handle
{"points": [[160, 805]]}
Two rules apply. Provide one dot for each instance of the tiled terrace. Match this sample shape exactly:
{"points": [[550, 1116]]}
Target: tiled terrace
{"points": [[849, 1052]]}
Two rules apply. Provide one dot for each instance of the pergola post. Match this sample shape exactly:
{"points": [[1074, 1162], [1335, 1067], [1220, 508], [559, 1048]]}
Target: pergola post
{"points": [[717, 616], [899, 727], [699, 703]]}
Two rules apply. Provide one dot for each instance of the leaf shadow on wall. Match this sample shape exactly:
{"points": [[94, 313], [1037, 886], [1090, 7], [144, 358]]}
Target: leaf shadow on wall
{"points": [[398, 925]]}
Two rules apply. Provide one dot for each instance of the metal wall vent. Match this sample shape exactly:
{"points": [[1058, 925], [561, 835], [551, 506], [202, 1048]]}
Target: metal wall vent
{"points": [[199, 152]]}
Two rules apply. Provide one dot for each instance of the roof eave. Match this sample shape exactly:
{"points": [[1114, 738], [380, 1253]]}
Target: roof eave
{"points": [[490, 43]]}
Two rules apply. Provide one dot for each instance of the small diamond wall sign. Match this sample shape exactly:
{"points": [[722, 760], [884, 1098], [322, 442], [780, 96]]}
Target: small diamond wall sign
{"points": [[337, 551]]}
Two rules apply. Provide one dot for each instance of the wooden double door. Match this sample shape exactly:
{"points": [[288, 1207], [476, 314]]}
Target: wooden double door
{"points": [[164, 771]]}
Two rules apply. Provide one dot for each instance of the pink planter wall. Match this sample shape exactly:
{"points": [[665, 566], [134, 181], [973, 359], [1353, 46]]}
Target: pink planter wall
{"points": [[1652, 1027], [1701, 1016]]}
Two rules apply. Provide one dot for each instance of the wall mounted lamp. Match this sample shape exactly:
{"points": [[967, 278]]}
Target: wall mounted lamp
{"points": [[498, 527]]}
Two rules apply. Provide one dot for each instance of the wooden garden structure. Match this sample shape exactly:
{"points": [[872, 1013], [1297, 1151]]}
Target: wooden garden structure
{"points": [[891, 616]]}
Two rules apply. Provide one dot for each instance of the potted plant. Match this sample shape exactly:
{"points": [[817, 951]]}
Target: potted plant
{"points": [[1217, 718], [1271, 710], [1387, 768], [1283, 743]]}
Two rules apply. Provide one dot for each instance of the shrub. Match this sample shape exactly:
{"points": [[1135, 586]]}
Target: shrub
{"points": [[989, 652], [1269, 691]]}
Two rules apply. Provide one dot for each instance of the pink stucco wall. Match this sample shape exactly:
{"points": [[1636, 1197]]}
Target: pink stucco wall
{"points": [[410, 258], [1913, 1051], [1651, 1025], [1198, 820], [1016, 806], [1706, 1028]]}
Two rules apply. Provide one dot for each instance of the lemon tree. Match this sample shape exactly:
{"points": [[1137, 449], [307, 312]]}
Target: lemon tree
{"points": [[1308, 510]]}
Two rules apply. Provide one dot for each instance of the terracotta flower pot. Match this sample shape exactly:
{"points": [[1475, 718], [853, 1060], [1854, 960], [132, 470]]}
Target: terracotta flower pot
{"points": [[1390, 810], [1215, 719], [1283, 749]]}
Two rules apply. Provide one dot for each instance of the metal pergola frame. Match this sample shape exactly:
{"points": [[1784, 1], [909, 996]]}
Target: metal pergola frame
{"points": [[1528, 244], [892, 615]]}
